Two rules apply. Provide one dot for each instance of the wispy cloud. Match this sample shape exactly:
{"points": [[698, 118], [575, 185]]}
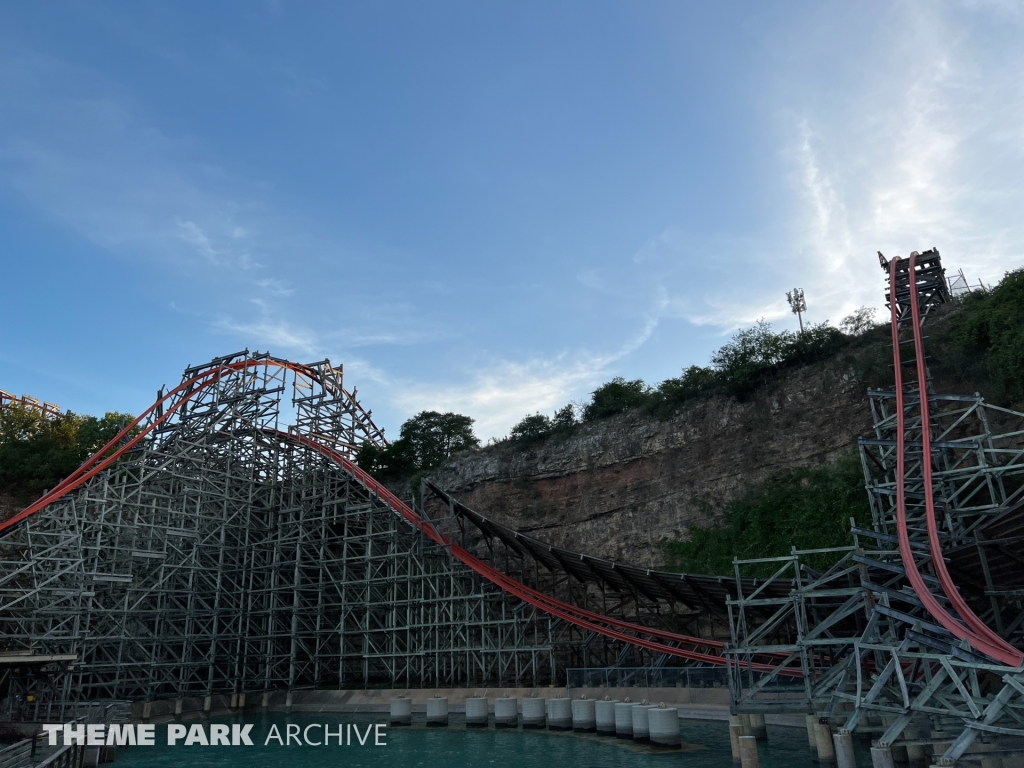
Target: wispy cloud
{"points": [[500, 394]]}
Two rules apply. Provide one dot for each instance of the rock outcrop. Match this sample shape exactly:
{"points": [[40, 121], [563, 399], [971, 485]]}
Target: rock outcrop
{"points": [[619, 487]]}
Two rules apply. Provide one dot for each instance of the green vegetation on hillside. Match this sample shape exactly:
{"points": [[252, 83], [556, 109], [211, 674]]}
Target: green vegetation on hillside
{"points": [[425, 442], [978, 337], [986, 341], [736, 370], [807, 507], [37, 452]]}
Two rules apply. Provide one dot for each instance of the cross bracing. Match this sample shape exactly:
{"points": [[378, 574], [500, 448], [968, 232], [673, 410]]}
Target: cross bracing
{"points": [[221, 554], [913, 636]]}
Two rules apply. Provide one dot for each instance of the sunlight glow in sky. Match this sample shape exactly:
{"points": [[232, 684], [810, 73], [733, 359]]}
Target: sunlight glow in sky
{"points": [[482, 207]]}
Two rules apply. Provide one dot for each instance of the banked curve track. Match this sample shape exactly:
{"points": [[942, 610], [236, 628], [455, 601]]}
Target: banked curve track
{"points": [[672, 644]]}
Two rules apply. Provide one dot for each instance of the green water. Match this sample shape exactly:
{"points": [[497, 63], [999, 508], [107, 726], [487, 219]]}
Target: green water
{"points": [[457, 746]]}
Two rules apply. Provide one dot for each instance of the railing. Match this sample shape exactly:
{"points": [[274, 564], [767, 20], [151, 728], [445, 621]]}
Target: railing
{"points": [[648, 677], [65, 757], [17, 755]]}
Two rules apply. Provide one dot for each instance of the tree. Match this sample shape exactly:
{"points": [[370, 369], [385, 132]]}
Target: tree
{"points": [[858, 322], [37, 452], [434, 437], [616, 396], [389, 464], [564, 418], [532, 428]]}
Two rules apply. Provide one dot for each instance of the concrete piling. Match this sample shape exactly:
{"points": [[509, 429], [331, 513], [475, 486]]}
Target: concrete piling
{"points": [[265, 700], [177, 707], [476, 712], [401, 710], [289, 699], [559, 714], [812, 739], [533, 712], [437, 711], [735, 731], [604, 716], [147, 711], [823, 739], [506, 713], [842, 743], [748, 752], [624, 719], [207, 704], [584, 718], [663, 724], [881, 757], [641, 730], [758, 727]]}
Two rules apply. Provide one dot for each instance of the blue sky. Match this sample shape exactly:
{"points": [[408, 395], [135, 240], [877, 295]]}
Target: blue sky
{"points": [[484, 207]]}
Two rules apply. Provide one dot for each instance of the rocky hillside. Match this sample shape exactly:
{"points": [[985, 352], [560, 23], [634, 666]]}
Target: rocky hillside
{"points": [[618, 487]]}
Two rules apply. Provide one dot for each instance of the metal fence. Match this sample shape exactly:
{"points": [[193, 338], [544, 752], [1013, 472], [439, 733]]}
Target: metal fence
{"points": [[672, 677], [647, 677]]}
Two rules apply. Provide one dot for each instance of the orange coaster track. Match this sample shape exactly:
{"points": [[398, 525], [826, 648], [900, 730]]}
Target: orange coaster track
{"points": [[687, 647]]}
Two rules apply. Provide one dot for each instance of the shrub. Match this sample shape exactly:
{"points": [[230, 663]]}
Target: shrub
{"points": [[616, 396], [807, 507], [988, 334], [532, 428]]}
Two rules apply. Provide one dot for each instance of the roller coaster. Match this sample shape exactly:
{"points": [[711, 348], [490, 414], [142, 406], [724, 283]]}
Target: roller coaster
{"points": [[210, 548]]}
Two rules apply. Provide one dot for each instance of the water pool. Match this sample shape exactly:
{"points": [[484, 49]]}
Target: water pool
{"points": [[707, 746]]}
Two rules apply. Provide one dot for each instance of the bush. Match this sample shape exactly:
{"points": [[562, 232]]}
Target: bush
{"points": [[807, 507], [616, 396], [988, 335], [532, 428]]}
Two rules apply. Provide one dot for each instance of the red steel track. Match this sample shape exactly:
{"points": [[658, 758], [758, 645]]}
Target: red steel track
{"points": [[980, 637], [964, 626], [660, 641]]}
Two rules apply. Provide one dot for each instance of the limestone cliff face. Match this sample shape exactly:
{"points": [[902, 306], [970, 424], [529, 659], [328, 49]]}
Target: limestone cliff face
{"points": [[619, 487]]}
